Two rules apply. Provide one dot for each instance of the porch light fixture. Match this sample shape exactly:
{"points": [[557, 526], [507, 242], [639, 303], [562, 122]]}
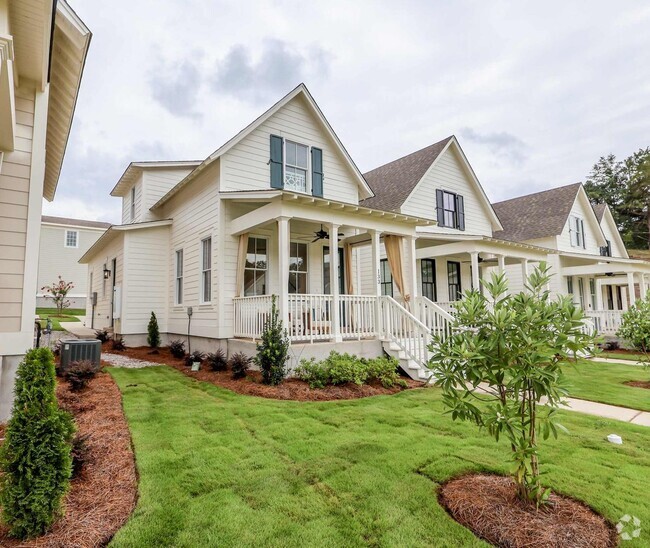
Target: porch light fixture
{"points": [[107, 273]]}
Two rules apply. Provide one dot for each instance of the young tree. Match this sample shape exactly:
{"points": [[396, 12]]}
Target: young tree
{"points": [[35, 457], [505, 354], [635, 325], [273, 348], [58, 291], [153, 332]]}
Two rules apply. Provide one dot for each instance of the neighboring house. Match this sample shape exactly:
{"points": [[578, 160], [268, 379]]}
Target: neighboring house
{"points": [[43, 47], [63, 242]]}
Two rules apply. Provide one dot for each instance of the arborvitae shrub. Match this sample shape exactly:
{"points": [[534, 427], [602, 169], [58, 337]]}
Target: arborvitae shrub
{"points": [[153, 336], [273, 349], [35, 457]]}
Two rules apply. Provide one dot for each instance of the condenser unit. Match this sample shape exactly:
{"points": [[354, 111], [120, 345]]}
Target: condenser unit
{"points": [[77, 350]]}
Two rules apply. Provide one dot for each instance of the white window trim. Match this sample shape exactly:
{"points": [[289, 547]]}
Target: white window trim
{"points": [[177, 301], [267, 270], [308, 189], [65, 239], [575, 222], [132, 210], [204, 270]]}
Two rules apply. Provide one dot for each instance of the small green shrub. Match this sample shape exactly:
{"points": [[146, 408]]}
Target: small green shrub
{"points": [[635, 325], [273, 349], [344, 368], [239, 364], [102, 335], [217, 361], [383, 370], [79, 374], [35, 457], [177, 348], [196, 356], [312, 372], [153, 332]]}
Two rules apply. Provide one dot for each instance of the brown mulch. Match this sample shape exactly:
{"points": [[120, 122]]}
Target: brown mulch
{"points": [[638, 384], [488, 505], [290, 389], [102, 498]]}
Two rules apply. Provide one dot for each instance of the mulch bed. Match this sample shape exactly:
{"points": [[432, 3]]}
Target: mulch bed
{"points": [[290, 389], [489, 507], [103, 496], [638, 384]]}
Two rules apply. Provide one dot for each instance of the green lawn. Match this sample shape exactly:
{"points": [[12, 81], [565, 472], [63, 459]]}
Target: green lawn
{"points": [[221, 469], [621, 355], [603, 382], [68, 316]]}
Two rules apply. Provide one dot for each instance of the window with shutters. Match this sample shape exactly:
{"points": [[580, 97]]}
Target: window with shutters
{"points": [[206, 270], [71, 238], [178, 285], [428, 274], [385, 278], [453, 280], [296, 166], [450, 209], [577, 232], [256, 267]]}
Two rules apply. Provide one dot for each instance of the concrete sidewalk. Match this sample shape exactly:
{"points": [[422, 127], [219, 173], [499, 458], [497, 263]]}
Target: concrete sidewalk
{"points": [[633, 416], [616, 361], [79, 330]]}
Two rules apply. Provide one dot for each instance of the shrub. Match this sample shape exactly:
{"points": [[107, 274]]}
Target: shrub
{"points": [[383, 370], [58, 291], [79, 374], [79, 453], [635, 325], [239, 364], [118, 344], [514, 346], [273, 349], [196, 356], [177, 348], [102, 335], [312, 372], [344, 368], [217, 361], [35, 457], [153, 332]]}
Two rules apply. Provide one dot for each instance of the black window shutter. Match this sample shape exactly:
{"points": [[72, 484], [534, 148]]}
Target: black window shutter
{"points": [[277, 179], [440, 213], [460, 212], [317, 172], [582, 231]]}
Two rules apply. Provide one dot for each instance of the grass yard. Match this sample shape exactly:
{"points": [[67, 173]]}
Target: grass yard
{"points": [[219, 468], [603, 382], [621, 355], [68, 316]]}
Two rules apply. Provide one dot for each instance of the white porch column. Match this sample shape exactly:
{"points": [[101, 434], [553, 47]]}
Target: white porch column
{"points": [[501, 261], [413, 270], [630, 287], [376, 278], [283, 269], [476, 283], [599, 296], [642, 287], [334, 281], [524, 271]]}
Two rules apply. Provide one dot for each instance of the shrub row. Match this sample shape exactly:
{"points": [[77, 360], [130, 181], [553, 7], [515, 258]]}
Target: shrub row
{"points": [[344, 368]]}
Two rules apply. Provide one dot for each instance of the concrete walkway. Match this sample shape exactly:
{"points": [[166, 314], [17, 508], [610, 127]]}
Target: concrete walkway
{"points": [[79, 330], [616, 361], [633, 416]]}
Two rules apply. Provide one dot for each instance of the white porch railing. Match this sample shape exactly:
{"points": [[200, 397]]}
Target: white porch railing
{"points": [[447, 306], [431, 314], [607, 322], [310, 317], [358, 316], [405, 330], [251, 314]]}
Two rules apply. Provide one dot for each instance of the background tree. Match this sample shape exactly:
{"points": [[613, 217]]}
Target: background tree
{"points": [[625, 187], [153, 332], [502, 359], [58, 292]]}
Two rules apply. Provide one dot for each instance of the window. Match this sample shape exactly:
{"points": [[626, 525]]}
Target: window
{"points": [[71, 238], [178, 297], [453, 280], [206, 270], [606, 250], [132, 204], [326, 271], [592, 293], [296, 166], [450, 209], [255, 267], [569, 285], [428, 274], [297, 268], [581, 292], [577, 232], [386, 278]]}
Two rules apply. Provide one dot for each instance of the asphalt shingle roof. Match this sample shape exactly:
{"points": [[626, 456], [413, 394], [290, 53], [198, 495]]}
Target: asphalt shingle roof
{"points": [[74, 222], [599, 210], [393, 182], [537, 215]]}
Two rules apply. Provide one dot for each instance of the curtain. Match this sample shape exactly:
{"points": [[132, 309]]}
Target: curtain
{"points": [[349, 282], [241, 263], [393, 246]]}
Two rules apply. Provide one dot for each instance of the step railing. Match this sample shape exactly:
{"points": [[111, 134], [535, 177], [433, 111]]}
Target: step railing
{"points": [[437, 319], [402, 328]]}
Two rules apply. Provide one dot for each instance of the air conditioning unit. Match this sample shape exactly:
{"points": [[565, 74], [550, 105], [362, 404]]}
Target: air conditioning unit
{"points": [[77, 350]]}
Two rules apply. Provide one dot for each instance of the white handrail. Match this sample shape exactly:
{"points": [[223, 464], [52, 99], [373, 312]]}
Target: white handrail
{"points": [[310, 317], [436, 318], [405, 330], [251, 315], [357, 316], [606, 322]]}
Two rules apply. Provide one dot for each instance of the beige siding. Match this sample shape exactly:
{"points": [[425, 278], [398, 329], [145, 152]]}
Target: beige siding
{"points": [[156, 183], [611, 233], [103, 287], [245, 166], [449, 174], [582, 210], [57, 260], [126, 204], [14, 192]]}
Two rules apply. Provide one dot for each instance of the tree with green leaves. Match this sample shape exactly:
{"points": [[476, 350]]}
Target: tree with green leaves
{"points": [[625, 187], [505, 354], [35, 456], [273, 348], [153, 332]]}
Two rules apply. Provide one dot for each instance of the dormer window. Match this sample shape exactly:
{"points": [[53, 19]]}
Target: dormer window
{"points": [[296, 166], [577, 232]]}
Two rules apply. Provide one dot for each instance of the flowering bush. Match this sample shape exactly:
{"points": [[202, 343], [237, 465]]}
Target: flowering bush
{"points": [[58, 291]]}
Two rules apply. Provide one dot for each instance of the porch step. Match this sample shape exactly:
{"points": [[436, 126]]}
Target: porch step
{"points": [[412, 368]]}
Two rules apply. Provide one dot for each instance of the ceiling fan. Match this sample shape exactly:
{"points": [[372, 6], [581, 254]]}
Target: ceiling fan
{"points": [[322, 234]]}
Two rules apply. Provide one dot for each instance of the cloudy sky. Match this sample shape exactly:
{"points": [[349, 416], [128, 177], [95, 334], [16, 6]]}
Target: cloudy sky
{"points": [[535, 91]]}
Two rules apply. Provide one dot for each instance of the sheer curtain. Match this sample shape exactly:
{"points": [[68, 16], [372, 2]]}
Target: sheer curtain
{"points": [[241, 263], [393, 246]]}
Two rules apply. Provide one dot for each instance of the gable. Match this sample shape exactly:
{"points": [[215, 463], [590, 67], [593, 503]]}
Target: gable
{"points": [[611, 233], [449, 173], [594, 238], [246, 165]]}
